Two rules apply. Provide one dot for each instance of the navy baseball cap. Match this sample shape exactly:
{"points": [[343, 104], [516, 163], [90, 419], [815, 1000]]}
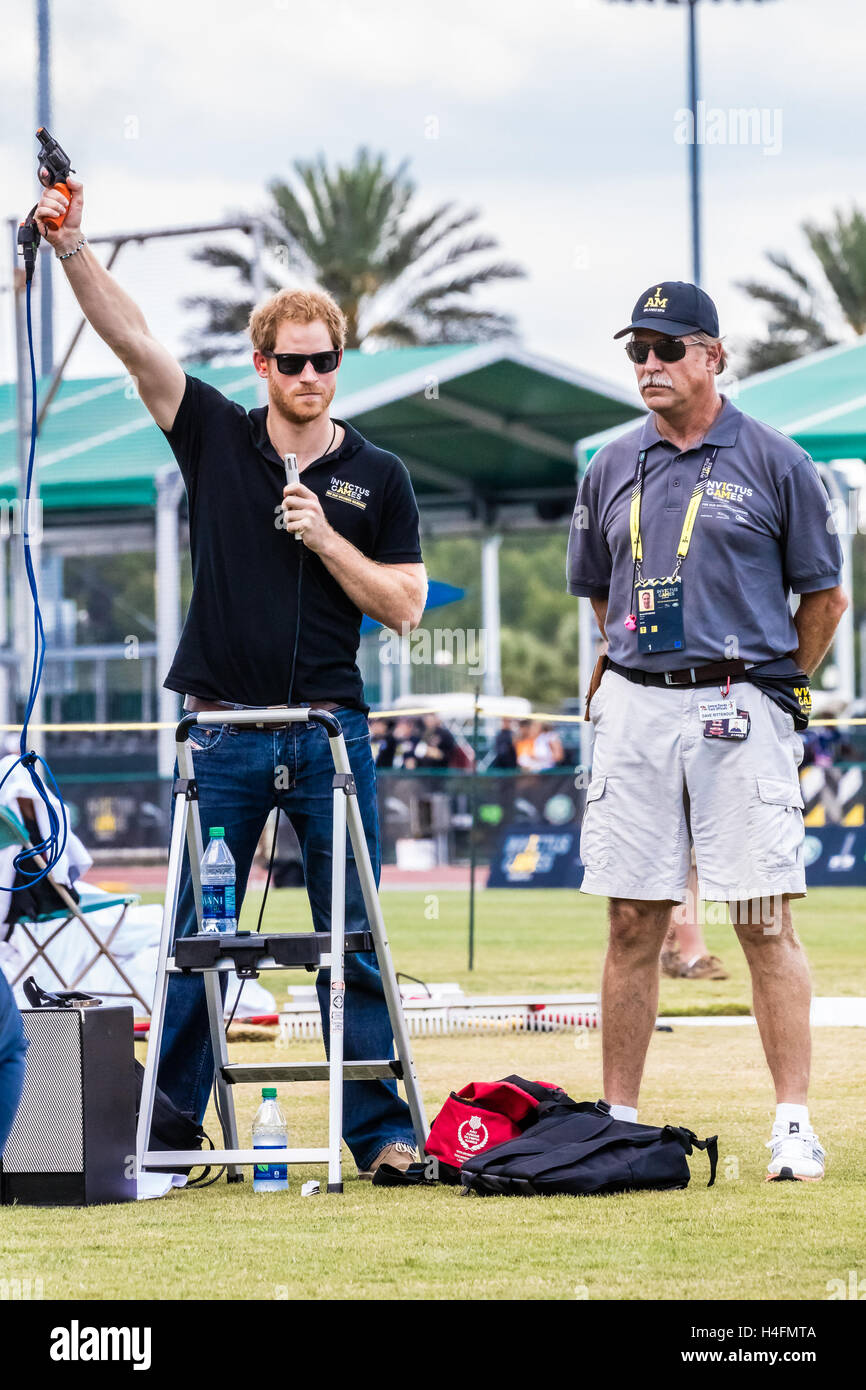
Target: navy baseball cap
{"points": [[674, 307]]}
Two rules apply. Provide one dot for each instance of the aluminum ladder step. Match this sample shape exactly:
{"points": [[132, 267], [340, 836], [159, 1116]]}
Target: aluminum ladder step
{"points": [[196, 1158], [239, 1073]]}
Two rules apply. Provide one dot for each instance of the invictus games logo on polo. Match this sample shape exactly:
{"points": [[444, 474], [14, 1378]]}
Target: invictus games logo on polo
{"points": [[77, 1343], [352, 493], [728, 492]]}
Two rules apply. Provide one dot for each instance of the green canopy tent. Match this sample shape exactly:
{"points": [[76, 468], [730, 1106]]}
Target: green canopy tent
{"points": [[482, 429], [487, 432]]}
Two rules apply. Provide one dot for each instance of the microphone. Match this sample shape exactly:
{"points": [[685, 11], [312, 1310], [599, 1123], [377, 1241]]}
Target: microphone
{"points": [[293, 475]]}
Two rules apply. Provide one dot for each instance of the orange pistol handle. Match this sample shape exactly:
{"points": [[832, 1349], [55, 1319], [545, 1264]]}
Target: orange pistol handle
{"points": [[55, 223]]}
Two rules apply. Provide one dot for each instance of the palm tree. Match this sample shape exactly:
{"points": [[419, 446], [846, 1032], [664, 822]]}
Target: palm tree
{"points": [[401, 277], [800, 312]]}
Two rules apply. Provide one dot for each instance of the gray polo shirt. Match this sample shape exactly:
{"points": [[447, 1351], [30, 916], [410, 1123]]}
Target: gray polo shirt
{"points": [[763, 529]]}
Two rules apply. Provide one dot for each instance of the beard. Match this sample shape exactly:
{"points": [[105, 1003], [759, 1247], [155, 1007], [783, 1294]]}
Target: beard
{"points": [[300, 409]]}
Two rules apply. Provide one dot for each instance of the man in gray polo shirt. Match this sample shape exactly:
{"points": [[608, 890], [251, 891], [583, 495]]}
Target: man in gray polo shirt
{"points": [[689, 534]]}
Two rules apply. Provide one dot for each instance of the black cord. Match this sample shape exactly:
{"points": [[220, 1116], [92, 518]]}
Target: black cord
{"points": [[297, 624], [401, 975], [198, 1181], [202, 1180], [261, 913]]}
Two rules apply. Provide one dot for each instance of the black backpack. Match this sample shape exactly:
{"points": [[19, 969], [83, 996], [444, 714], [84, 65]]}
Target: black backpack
{"points": [[171, 1128], [579, 1149]]}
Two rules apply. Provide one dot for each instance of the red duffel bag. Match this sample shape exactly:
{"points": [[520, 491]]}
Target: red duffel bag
{"points": [[484, 1114]]}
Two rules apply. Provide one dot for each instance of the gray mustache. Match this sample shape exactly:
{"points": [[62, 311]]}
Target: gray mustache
{"points": [[655, 379]]}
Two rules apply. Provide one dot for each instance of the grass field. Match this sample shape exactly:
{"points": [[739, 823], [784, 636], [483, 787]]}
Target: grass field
{"points": [[550, 939], [742, 1239]]}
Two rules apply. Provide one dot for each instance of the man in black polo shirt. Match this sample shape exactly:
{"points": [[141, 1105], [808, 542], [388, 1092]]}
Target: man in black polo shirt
{"points": [[281, 576]]}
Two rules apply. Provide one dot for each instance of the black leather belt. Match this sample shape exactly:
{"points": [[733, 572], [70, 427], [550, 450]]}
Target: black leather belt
{"points": [[711, 674]]}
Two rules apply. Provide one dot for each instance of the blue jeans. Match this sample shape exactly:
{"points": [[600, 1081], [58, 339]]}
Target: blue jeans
{"points": [[241, 775], [13, 1051]]}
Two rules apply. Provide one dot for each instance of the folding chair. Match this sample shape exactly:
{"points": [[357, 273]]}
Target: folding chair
{"points": [[13, 832]]}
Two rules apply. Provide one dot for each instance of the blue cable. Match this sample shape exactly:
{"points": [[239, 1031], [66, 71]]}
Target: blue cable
{"points": [[52, 847]]}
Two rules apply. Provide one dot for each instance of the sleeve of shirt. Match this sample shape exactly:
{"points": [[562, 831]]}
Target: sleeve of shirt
{"points": [[588, 565], [184, 437], [398, 541], [811, 553]]}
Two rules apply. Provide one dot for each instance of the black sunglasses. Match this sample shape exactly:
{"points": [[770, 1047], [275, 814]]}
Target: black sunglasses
{"points": [[665, 349], [293, 363]]}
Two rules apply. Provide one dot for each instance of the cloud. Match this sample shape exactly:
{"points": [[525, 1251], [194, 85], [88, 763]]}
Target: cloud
{"points": [[556, 121]]}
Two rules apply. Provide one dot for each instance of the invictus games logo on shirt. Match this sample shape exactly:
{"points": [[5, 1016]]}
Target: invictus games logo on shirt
{"points": [[656, 301], [342, 491], [726, 492]]}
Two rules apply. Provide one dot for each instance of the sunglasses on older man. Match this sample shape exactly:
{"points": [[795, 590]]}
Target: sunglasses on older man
{"points": [[293, 363], [665, 349]]}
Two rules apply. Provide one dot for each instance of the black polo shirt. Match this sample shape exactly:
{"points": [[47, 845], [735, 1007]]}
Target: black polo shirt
{"points": [[243, 619]]}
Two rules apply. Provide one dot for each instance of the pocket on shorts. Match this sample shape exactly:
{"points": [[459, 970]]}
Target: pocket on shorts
{"points": [[594, 839], [776, 824], [782, 721]]}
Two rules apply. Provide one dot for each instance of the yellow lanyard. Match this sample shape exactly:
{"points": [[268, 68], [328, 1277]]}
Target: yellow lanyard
{"points": [[691, 510]]}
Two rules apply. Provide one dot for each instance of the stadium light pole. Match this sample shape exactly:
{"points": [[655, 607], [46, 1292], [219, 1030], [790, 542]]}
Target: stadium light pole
{"points": [[694, 153]]}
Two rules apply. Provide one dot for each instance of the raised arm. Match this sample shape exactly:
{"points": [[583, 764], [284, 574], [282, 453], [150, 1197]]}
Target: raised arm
{"points": [[158, 377]]}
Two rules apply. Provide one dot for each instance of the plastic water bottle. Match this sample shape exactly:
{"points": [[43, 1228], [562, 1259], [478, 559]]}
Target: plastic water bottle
{"points": [[270, 1131], [218, 884]]}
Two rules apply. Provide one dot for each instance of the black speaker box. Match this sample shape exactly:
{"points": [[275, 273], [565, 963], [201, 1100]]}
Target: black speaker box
{"points": [[72, 1142]]}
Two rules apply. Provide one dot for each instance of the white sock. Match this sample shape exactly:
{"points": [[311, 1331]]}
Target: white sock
{"points": [[694, 960], [624, 1112], [799, 1114]]}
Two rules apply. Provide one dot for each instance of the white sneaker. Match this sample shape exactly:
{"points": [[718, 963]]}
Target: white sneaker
{"points": [[796, 1155]]}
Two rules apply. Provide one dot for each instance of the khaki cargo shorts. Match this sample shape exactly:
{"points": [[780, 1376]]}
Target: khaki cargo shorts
{"points": [[658, 786]]}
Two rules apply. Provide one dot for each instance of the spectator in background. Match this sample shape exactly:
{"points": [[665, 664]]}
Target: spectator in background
{"points": [[504, 753], [684, 954], [540, 748], [382, 742], [821, 746], [548, 748], [525, 746], [406, 734], [436, 744]]}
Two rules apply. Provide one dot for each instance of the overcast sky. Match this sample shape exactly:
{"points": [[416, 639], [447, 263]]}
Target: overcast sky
{"points": [[557, 120]]}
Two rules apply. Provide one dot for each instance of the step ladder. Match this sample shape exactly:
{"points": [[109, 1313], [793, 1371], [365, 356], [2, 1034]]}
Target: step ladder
{"points": [[211, 953]]}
